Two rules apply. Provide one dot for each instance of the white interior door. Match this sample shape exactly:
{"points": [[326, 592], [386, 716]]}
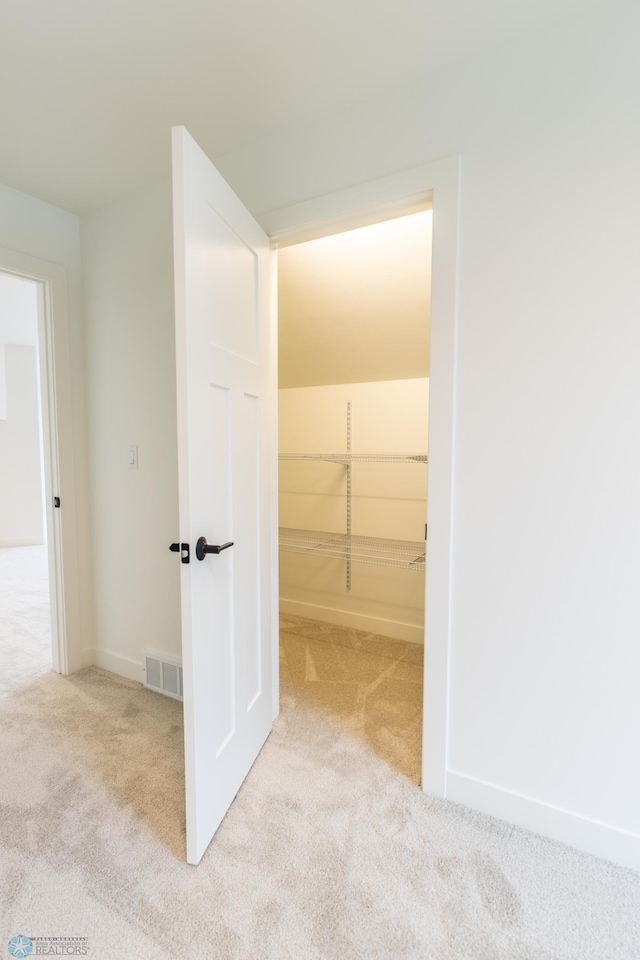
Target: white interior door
{"points": [[222, 354]]}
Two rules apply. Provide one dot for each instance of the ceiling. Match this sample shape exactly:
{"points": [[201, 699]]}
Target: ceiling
{"points": [[355, 307], [90, 88]]}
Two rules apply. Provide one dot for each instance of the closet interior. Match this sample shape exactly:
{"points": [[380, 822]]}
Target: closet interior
{"points": [[353, 449]]}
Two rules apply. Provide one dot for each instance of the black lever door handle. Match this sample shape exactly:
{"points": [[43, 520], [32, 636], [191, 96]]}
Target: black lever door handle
{"points": [[203, 548]]}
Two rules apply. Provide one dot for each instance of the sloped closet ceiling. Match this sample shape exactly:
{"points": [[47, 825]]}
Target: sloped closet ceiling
{"points": [[355, 307]]}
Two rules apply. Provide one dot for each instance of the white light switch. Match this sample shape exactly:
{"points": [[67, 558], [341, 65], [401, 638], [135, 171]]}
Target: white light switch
{"points": [[132, 456]]}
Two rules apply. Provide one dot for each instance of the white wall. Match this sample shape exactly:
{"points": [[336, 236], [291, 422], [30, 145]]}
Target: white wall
{"points": [[129, 319], [18, 310], [388, 500], [21, 467], [21, 513], [546, 562], [43, 231], [3, 383]]}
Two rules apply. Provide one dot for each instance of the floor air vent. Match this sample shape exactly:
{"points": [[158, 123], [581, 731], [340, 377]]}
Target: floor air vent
{"points": [[163, 674]]}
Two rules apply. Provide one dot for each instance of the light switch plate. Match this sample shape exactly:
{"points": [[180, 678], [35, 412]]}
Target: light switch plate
{"points": [[132, 456]]}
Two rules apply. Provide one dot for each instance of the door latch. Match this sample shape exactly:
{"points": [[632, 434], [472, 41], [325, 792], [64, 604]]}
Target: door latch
{"points": [[183, 549]]}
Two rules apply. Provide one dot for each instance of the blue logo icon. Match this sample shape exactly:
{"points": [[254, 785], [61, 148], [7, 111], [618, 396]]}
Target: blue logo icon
{"points": [[20, 947]]}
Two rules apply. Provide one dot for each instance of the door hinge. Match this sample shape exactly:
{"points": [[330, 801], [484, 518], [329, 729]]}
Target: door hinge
{"points": [[183, 549], [56, 501], [425, 531]]}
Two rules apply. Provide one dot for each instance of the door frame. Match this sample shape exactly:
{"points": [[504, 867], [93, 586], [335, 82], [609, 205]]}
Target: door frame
{"points": [[58, 450], [436, 186]]}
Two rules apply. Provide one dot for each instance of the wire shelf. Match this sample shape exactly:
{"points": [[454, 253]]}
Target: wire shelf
{"points": [[358, 457], [380, 551]]}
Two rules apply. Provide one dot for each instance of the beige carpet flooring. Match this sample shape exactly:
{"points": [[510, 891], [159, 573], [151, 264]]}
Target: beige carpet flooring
{"points": [[330, 851], [371, 685]]}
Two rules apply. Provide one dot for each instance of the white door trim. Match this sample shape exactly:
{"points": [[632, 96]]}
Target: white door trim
{"points": [[59, 465], [433, 185]]}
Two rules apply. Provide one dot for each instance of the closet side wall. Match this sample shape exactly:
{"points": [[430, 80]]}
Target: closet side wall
{"points": [[388, 500]]}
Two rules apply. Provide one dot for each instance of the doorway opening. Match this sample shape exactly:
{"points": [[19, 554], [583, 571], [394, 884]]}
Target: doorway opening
{"points": [[25, 605], [353, 400]]}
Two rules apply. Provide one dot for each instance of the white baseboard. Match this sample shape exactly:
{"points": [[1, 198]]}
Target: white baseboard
{"points": [[25, 542], [87, 657], [113, 662], [344, 618], [593, 836]]}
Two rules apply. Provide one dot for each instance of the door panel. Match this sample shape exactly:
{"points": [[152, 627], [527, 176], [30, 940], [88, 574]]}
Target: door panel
{"points": [[222, 274]]}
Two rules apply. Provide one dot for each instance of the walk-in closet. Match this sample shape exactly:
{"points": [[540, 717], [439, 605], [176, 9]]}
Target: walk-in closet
{"points": [[353, 458]]}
